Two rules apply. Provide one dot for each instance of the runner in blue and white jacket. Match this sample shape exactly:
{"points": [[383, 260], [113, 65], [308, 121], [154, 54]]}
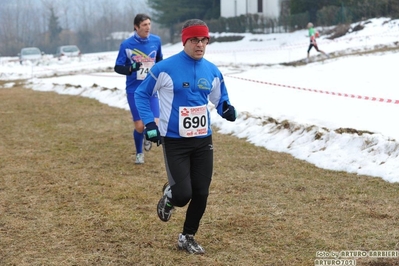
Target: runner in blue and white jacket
{"points": [[136, 56], [185, 84]]}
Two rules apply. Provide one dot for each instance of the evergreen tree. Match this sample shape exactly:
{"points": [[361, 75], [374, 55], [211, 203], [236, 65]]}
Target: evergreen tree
{"points": [[171, 13], [54, 28], [394, 8]]}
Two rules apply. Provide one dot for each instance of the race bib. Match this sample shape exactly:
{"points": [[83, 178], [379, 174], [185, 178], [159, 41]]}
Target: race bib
{"points": [[143, 71], [193, 121]]}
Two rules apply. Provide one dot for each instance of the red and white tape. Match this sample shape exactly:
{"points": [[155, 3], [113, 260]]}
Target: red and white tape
{"points": [[348, 95]]}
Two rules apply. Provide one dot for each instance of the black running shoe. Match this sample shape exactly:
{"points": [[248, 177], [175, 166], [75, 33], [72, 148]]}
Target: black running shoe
{"points": [[164, 207]]}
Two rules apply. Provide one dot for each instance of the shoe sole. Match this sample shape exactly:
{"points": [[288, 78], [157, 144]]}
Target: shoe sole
{"points": [[159, 215], [160, 202], [139, 162], [194, 253]]}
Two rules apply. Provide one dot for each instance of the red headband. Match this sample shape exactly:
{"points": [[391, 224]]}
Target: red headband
{"points": [[194, 31]]}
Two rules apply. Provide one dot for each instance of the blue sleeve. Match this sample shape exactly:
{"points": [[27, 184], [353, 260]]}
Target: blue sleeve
{"points": [[224, 97], [122, 57], [121, 65], [143, 94]]}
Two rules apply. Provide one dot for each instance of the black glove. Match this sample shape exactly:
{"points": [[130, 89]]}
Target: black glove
{"points": [[151, 133], [229, 112], [135, 66]]}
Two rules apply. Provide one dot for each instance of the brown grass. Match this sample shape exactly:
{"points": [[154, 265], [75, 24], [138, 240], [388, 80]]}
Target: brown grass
{"points": [[70, 194]]}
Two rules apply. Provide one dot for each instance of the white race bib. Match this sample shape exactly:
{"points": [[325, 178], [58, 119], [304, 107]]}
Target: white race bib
{"points": [[193, 121], [143, 71]]}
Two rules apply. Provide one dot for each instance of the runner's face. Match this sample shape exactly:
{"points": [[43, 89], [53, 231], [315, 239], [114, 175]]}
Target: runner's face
{"points": [[143, 30], [195, 47]]}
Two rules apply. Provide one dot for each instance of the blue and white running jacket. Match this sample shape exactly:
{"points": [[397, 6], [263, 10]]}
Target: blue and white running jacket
{"points": [[136, 49], [185, 86]]}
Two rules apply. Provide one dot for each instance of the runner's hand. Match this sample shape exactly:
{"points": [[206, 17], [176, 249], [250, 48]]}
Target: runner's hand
{"points": [[229, 112], [151, 133], [135, 66]]}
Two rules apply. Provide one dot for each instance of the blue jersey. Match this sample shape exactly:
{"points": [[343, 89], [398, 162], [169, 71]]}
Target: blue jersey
{"points": [[185, 86], [136, 49]]}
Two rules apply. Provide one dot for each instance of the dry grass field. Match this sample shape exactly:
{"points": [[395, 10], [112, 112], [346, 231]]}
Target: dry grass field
{"points": [[70, 194]]}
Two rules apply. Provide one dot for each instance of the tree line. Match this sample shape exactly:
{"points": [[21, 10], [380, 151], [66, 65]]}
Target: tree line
{"points": [[332, 12], [91, 24], [100, 25], [294, 14]]}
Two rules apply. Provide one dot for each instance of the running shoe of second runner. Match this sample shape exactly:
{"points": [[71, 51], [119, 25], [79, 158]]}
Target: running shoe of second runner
{"points": [[164, 207], [147, 145], [140, 158]]}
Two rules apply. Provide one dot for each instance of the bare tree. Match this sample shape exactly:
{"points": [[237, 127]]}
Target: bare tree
{"points": [[18, 29], [106, 24]]}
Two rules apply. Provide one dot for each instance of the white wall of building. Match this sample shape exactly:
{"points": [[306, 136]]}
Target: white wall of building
{"points": [[234, 8], [271, 8]]}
